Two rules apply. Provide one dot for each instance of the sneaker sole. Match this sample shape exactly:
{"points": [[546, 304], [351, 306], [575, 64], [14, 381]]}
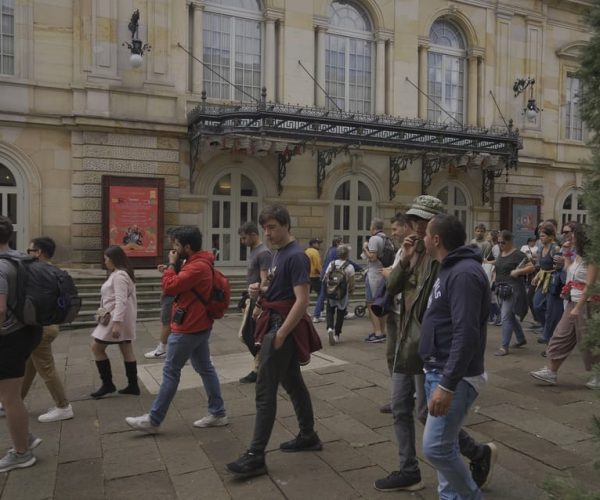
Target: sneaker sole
{"points": [[244, 475], [316, 447], [413, 487], [493, 458], [542, 379], [142, 429], [154, 356], [206, 426], [376, 341], [22, 465], [54, 419], [35, 443]]}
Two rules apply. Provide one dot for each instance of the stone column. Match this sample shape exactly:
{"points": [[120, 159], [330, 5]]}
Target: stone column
{"points": [[472, 90], [480, 93], [389, 79], [423, 48], [380, 76], [320, 98], [270, 55], [197, 48]]}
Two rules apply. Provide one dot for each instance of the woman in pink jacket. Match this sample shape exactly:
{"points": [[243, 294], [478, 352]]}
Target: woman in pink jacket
{"points": [[120, 302]]}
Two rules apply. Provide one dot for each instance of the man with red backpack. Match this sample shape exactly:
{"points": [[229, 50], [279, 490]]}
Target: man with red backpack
{"points": [[194, 289]]}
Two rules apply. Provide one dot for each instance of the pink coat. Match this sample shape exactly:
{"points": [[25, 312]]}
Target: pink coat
{"points": [[119, 298]]}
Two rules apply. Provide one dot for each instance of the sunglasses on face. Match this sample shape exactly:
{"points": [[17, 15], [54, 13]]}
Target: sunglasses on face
{"points": [[567, 232], [501, 242]]}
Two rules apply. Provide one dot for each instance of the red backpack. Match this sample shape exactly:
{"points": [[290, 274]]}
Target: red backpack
{"points": [[217, 304]]}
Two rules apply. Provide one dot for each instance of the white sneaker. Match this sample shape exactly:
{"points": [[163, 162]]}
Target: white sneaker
{"points": [[142, 423], [32, 442], [350, 316], [331, 336], [211, 421], [594, 382], [336, 338], [157, 353], [2, 412], [55, 414], [316, 320], [545, 375]]}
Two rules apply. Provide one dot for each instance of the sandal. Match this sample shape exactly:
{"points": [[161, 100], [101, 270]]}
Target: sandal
{"points": [[501, 352]]}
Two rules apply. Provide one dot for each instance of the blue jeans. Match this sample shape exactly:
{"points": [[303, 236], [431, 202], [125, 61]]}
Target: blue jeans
{"points": [[540, 305], [510, 322], [320, 302], [440, 442], [180, 348], [554, 311]]}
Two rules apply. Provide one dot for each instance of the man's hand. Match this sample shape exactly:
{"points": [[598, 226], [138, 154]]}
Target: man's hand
{"points": [[116, 329], [173, 256], [409, 246], [254, 290], [386, 271], [161, 268], [439, 404]]}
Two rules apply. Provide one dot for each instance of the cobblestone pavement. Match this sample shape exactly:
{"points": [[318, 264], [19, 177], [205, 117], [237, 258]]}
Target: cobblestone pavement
{"points": [[540, 431]]}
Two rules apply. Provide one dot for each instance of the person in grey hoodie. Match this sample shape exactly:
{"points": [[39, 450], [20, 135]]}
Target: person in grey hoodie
{"points": [[452, 346]]}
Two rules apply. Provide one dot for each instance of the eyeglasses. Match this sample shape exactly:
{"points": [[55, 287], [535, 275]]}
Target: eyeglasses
{"points": [[567, 231]]}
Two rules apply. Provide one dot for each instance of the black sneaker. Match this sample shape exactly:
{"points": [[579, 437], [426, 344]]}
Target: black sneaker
{"points": [[400, 481], [481, 470], [249, 379], [300, 443], [248, 465]]}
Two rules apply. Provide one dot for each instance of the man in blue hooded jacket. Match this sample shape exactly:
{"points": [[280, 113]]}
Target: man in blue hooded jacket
{"points": [[452, 346]]}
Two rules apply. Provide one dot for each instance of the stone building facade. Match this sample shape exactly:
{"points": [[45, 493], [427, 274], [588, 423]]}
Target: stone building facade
{"points": [[73, 109]]}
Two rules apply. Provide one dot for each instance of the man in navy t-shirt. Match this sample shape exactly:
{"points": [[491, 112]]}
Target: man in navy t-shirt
{"points": [[284, 301]]}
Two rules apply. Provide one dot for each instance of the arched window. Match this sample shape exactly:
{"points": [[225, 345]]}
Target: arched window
{"points": [[456, 203], [446, 72], [348, 58], [353, 210], [572, 208], [234, 200], [7, 37], [232, 41], [9, 201]]}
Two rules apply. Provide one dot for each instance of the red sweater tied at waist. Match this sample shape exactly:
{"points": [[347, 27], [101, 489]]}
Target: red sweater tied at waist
{"points": [[305, 337], [578, 285]]}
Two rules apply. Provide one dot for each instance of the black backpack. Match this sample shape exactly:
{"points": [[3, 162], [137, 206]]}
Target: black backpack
{"points": [[388, 254], [337, 282], [46, 295]]}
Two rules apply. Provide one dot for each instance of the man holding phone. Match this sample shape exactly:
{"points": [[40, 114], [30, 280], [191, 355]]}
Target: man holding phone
{"points": [[190, 332]]}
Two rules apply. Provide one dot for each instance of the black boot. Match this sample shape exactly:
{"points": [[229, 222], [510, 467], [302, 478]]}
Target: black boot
{"points": [[132, 382], [106, 376]]}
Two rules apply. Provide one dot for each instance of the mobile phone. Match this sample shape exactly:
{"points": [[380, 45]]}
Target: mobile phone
{"points": [[179, 316]]}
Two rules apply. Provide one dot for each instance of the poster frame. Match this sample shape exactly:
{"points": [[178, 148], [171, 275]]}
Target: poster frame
{"points": [[508, 214], [109, 181]]}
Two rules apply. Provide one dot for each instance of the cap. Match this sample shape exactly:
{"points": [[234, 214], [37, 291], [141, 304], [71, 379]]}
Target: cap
{"points": [[313, 241], [426, 207]]}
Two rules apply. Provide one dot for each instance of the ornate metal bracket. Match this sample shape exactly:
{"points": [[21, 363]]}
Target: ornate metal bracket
{"points": [[429, 167], [397, 165], [487, 183], [283, 159], [324, 159]]}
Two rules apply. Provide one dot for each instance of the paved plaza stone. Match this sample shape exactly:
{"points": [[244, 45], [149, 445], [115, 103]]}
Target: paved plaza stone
{"points": [[541, 431]]}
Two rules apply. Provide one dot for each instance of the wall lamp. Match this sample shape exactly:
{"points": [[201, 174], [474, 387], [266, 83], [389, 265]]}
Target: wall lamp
{"points": [[137, 47], [531, 110]]}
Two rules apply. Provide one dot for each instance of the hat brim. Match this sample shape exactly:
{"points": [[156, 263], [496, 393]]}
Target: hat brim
{"points": [[417, 212]]}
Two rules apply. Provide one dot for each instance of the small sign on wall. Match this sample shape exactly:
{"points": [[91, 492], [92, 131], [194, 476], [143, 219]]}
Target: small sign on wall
{"points": [[521, 217], [132, 216]]}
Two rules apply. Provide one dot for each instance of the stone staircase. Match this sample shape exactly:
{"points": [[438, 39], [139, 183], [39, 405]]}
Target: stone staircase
{"points": [[148, 286]]}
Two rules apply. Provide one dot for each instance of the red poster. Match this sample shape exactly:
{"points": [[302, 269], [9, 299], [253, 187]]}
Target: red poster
{"points": [[133, 219]]}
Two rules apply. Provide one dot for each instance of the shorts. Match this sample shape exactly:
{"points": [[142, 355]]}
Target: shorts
{"points": [[166, 309], [15, 349], [373, 289]]}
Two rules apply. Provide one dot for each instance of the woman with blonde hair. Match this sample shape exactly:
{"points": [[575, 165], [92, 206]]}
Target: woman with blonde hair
{"points": [[116, 322]]}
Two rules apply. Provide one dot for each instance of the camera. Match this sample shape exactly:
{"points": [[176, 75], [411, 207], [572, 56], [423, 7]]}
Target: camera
{"points": [[179, 315]]}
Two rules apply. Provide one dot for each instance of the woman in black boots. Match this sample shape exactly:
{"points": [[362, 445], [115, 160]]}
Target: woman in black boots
{"points": [[116, 322]]}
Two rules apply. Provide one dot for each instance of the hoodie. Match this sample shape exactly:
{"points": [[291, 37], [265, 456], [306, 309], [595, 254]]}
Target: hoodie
{"points": [[454, 327]]}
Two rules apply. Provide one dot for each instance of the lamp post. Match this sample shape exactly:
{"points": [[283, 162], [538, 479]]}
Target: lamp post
{"points": [[136, 46], [531, 110]]}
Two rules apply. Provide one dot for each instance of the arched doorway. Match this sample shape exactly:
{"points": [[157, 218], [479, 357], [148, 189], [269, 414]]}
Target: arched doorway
{"points": [[353, 210], [234, 200], [11, 204], [457, 202]]}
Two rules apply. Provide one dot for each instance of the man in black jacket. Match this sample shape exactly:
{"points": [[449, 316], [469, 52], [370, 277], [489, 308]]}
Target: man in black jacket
{"points": [[452, 347]]}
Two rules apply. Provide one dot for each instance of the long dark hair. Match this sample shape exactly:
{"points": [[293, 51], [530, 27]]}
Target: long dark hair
{"points": [[580, 238], [120, 260]]}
